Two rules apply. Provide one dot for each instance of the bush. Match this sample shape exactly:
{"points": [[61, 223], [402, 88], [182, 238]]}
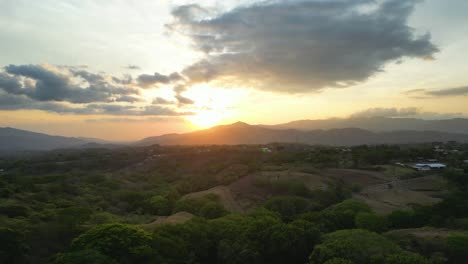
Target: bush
{"points": [[82, 256], [12, 246], [401, 219], [288, 206], [371, 222], [212, 210], [159, 205], [207, 206], [122, 243], [359, 246], [339, 261], [341, 216], [406, 258], [457, 248], [14, 210]]}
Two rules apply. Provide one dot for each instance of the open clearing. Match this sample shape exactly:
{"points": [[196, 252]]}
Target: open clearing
{"points": [[177, 218], [377, 188]]}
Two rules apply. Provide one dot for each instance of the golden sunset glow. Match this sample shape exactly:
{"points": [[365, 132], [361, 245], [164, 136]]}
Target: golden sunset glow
{"points": [[206, 119], [175, 66]]}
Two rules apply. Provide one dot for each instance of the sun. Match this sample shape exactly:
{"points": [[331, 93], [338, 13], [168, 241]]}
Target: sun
{"points": [[206, 118]]}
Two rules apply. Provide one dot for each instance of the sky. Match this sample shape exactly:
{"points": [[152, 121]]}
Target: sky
{"points": [[124, 70]]}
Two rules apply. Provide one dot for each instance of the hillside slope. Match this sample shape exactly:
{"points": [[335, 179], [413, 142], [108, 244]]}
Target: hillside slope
{"points": [[12, 139]]}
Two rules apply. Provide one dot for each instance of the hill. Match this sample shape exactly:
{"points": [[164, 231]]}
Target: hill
{"points": [[12, 139], [242, 133], [378, 124]]}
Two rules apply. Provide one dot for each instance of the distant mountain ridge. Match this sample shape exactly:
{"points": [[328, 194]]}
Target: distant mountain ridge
{"points": [[242, 133], [12, 139], [334, 132], [379, 124]]}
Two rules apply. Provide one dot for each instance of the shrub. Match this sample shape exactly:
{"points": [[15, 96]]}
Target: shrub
{"points": [[341, 216], [357, 245], [288, 206], [121, 242], [159, 205], [82, 256], [371, 222], [457, 248], [406, 258]]}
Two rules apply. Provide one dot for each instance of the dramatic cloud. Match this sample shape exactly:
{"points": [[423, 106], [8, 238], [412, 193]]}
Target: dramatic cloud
{"points": [[21, 102], [387, 112], [299, 46], [447, 92], [450, 91], [413, 112], [72, 90], [137, 120], [162, 101], [183, 100], [42, 84], [146, 80]]}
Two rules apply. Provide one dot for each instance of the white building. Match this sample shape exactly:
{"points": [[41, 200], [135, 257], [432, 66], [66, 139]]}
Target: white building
{"points": [[429, 166]]}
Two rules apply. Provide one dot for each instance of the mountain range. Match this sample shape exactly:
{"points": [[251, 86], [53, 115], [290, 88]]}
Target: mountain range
{"points": [[379, 124], [335, 132], [242, 133]]}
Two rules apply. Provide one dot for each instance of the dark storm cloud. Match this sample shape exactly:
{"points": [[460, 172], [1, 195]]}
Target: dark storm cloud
{"points": [[147, 80], [46, 85], [300, 46], [387, 112]]}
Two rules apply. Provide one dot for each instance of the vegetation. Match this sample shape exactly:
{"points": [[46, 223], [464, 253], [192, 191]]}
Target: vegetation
{"points": [[93, 206]]}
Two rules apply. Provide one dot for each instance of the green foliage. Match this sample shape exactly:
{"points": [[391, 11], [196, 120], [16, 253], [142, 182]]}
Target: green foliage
{"points": [[103, 218], [207, 206], [457, 248], [342, 215], [159, 205], [212, 210], [288, 206], [121, 242], [14, 210], [371, 222], [406, 258], [359, 246], [13, 247], [88, 256], [338, 261], [73, 216], [403, 219]]}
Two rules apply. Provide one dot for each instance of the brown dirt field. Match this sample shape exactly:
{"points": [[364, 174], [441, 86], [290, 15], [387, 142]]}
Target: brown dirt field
{"points": [[427, 232], [390, 200], [362, 178], [224, 194], [312, 181], [247, 194], [177, 218], [403, 193]]}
